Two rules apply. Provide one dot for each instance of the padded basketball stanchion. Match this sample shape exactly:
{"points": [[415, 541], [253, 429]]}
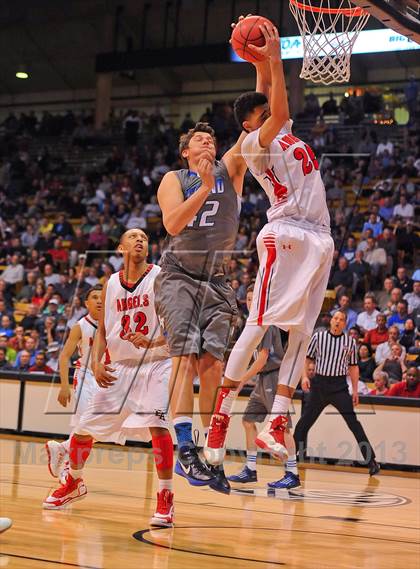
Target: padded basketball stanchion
{"points": [[328, 37]]}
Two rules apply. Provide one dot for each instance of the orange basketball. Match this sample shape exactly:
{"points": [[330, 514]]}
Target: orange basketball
{"points": [[247, 31]]}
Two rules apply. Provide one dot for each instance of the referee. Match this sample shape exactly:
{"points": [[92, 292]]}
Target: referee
{"points": [[335, 357]]}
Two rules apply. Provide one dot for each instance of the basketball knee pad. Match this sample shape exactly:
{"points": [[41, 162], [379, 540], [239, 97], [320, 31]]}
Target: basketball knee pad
{"points": [[163, 451]]}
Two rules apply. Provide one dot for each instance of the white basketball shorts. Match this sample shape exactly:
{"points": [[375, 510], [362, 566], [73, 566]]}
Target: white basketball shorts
{"points": [[84, 387], [137, 400], [295, 264]]}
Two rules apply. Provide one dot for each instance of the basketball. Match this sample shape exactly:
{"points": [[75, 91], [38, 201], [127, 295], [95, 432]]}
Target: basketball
{"points": [[246, 32]]}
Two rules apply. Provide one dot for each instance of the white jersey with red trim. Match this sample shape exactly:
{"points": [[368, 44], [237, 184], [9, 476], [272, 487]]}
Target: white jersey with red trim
{"points": [[288, 171], [88, 327], [130, 307]]}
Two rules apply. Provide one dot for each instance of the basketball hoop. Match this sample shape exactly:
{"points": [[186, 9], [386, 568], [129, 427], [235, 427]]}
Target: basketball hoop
{"points": [[328, 37]]}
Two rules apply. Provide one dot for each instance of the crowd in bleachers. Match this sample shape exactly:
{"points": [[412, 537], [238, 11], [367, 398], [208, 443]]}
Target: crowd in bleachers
{"points": [[53, 210]]}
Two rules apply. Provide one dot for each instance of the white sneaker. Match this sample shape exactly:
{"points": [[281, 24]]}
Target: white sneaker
{"points": [[56, 454], [5, 523], [271, 438]]}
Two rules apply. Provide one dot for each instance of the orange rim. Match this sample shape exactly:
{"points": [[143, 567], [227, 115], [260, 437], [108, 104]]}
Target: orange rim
{"points": [[349, 12]]}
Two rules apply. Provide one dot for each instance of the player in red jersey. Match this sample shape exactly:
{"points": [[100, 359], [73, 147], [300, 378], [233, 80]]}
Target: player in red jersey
{"points": [[133, 398], [84, 385], [295, 251]]}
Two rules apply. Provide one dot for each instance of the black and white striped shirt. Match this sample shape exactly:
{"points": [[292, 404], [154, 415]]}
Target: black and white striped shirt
{"points": [[332, 354]]}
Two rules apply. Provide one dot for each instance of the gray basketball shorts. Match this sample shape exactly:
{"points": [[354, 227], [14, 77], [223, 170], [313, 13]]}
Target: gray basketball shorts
{"points": [[197, 316], [262, 398]]}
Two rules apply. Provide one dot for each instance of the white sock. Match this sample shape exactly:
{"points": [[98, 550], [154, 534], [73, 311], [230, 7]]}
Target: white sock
{"points": [[280, 406], [227, 403], [291, 464], [66, 444], [76, 473], [251, 460], [165, 485]]}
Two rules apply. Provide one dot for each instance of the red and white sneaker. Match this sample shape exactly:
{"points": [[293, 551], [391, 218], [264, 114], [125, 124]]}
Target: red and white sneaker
{"points": [[164, 515], [214, 450], [56, 455], [68, 493], [271, 438]]}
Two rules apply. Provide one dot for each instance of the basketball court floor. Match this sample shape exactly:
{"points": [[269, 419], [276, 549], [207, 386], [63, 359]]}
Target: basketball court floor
{"points": [[340, 518]]}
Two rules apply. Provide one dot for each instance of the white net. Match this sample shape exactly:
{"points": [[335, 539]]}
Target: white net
{"points": [[329, 30]]}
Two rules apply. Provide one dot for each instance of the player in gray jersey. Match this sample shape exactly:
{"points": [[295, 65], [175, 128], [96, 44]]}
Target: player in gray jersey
{"points": [[200, 206]]}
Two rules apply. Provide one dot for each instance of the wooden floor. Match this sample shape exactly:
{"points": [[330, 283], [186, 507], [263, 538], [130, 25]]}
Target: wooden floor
{"points": [[338, 519]]}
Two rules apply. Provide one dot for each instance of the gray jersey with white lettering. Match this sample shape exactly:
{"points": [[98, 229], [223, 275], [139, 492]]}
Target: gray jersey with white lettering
{"points": [[205, 245]]}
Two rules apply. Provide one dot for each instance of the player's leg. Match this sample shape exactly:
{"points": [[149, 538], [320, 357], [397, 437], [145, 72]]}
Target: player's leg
{"points": [[235, 369], [291, 477], [189, 465], [163, 452], [271, 438], [249, 470], [74, 488]]}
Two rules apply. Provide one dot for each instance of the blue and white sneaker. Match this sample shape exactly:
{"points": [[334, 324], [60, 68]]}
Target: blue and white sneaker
{"points": [[190, 466], [246, 475], [289, 482]]}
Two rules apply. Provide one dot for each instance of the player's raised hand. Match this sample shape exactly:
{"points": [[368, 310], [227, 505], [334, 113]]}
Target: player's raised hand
{"points": [[103, 375], [271, 48], [205, 171], [64, 395]]}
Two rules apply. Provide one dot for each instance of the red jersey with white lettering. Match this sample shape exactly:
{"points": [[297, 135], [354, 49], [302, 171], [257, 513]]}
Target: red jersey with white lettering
{"points": [[88, 327], [288, 171], [130, 307]]}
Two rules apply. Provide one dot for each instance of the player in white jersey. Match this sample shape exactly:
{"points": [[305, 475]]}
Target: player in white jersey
{"points": [[295, 251], [81, 339], [133, 398]]}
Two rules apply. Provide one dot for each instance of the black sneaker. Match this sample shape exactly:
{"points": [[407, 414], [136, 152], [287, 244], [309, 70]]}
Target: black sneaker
{"points": [[220, 483], [374, 467], [190, 466]]}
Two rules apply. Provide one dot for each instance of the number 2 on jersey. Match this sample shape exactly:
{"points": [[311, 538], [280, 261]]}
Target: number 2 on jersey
{"points": [[308, 158], [204, 220], [140, 318]]}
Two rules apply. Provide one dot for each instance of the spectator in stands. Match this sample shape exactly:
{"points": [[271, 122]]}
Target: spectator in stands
{"points": [[28, 290], [381, 380], [363, 245], [59, 255], [98, 240], [10, 352], [342, 278], [330, 106], [4, 364], [356, 334], [383, 351], [63, 228], [404, 209], [53, 353], [408, 388], [29, 320], [344, 306], [50, 277], [5, 294], [373, 224], [29, 237], [377, 335], [349, 250], [46, 226], [408, 336], [398, 318], [385, 146], [403, 281], [366, 320], [17, 341], [394, 364], [389, 244], [386, 210], [40, 365], [384, 296], [366, 363], [24, 361], [30, 347], [412, 298], [337, 192], [396, 296], [376, 257], [14, 272], [4, 311], [6, 326], [152, 209], [361, 274]]}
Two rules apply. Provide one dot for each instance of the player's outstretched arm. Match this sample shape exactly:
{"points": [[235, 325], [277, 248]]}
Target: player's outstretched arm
{"points": [[64, 395], [102, 372], [177, 212], [279, 105]]}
